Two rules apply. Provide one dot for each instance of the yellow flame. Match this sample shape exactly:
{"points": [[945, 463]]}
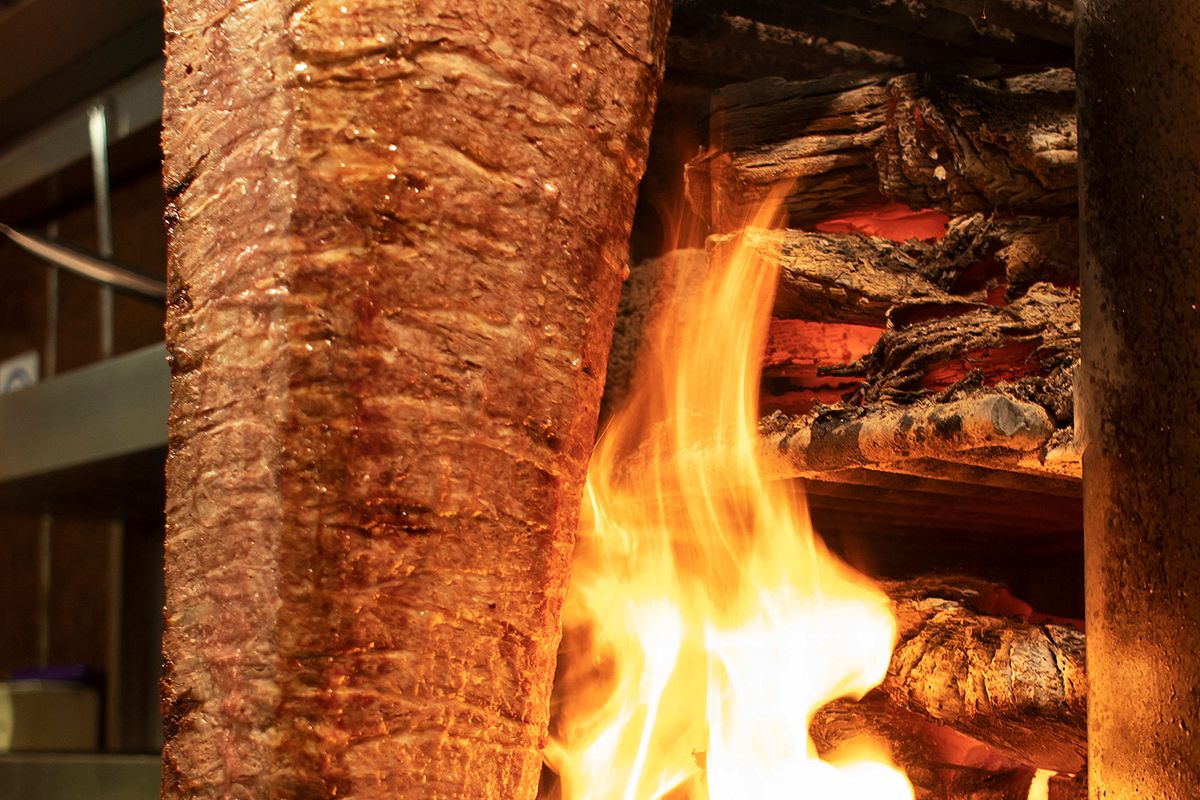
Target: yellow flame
{"points": [[705, 622], [1039, 787]]}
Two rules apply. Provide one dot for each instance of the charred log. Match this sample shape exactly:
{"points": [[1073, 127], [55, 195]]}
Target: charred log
{"points": [[885, 26], [933, 348], [932, 21], [960, 144], [1025, 250], [940, 763], [821, 134], [1052, 20], [724, 47], [1016, 685], [650, 284], [838, 277], [842, 437], [849, 278]]}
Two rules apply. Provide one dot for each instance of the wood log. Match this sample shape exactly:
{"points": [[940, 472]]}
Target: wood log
{"points": [[397, 237], [849, 278], [820, 134], [650, 284], [1052, 20], [837, 277], [841, 437], [929, 755], [960, 144], [979, 694], [883, 32], [931, 21], [1018, 686], [1032, 344], [1026, 250], [722, 47]]}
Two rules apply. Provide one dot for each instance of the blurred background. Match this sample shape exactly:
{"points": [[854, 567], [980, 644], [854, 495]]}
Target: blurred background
{"points": [[82, 442]]}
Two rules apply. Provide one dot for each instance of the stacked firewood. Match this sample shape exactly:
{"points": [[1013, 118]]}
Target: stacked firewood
{"points": [[927, 313], [929, 263], [983, 314]]}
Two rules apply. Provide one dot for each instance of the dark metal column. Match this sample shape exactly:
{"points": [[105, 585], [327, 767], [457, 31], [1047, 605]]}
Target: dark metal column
{"points": [[1139, 125]]}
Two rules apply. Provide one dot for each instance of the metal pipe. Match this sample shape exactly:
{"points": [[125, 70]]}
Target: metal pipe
{"points": [[88, 265], [1139, 96], [98, 141]]}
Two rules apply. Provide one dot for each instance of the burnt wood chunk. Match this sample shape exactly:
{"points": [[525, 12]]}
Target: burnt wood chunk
{"points": [[841, 437], [880, 28], [397, 238], [961, 144], [1026, 250], [1015, 684], [957, 143], [651, 284], [929, 20], [821, 135], [929, 754], [724, 47], [1032, 344], [830, 277]]}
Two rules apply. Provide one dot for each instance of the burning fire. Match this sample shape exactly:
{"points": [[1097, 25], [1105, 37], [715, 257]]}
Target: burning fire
{"points": [[706, 624]]}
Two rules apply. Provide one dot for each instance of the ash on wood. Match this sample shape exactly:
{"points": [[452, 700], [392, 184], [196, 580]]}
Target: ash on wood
{"points": [[947, 141], [843, 437], [396, 246]]}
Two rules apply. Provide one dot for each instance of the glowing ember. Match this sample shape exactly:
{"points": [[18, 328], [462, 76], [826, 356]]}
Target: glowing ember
{"points": [[705, 622], [894, 221]]}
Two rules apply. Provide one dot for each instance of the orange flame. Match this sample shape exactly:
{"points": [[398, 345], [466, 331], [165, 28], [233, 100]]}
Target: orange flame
{"points": [[708, 622]]}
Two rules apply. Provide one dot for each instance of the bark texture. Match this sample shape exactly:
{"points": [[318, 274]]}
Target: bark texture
{"points": [[941, 763], [726, 47], [1020, 687], [980, 693], [398, 233], [961, 144], [1025, 250], [821, 134], [651, 284], [841, 437], [838, 277], [1052, 20], [947, 141], [934, 347]]}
